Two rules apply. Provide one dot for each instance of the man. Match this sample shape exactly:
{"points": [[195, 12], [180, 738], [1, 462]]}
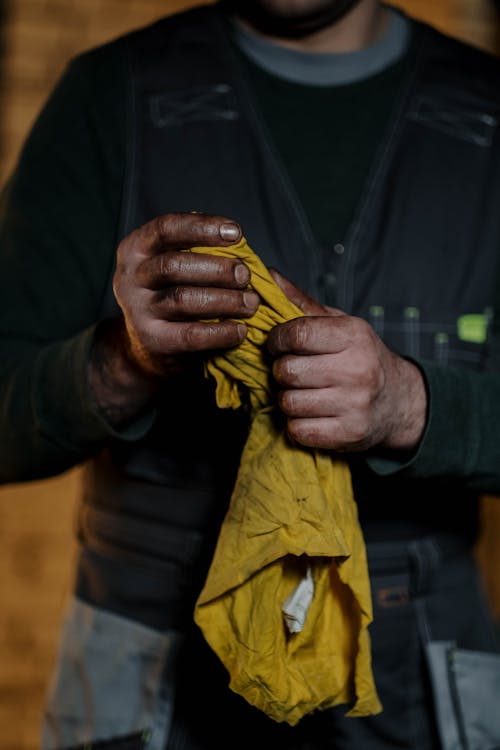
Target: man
{"points": [[358, 152]]}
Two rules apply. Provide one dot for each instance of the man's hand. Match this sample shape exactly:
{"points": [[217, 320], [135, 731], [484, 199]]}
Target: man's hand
{"points": [[342, 388], [164, 296]]}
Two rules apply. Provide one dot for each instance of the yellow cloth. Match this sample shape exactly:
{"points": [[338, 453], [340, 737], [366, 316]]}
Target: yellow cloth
{"points": [[290, 507]]}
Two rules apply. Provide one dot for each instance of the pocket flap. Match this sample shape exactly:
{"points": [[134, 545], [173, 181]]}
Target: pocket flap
{"points": [[466, 691]]}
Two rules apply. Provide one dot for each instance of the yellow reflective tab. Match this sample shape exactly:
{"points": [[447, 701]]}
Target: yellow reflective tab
{"points": [[472, 328]]}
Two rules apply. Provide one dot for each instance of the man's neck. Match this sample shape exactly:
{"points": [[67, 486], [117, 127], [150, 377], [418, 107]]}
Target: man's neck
{"points": [[359, 28]]}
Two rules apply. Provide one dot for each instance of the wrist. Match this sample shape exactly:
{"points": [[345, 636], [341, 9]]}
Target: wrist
{"points": [[121, 389], [410, 415]]}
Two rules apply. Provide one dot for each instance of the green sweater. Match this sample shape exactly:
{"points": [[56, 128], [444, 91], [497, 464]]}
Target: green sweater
{"points": [[59, 216]]}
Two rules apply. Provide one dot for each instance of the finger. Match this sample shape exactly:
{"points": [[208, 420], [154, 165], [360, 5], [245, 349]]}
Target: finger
{"points": [[310, 402], [306, 371], [165, 339], [184, 303], [303, 301], [327, 433], [193, 269], [310, 335], [183, 230]]}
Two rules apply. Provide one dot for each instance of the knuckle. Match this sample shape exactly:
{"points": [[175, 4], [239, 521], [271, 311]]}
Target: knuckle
{"points": [[164, 266], [360, 326], [202, 336], [370, 378], [169, 225], [363, 333], [176, 295], [191, 336], [357, 434], [375, 380], [355, 329], [162, 304], [276, 370], [286, 401], [300, 333], [360, 396], [159, 305], [178, 267], [162, 226], [282, 370], [304, 432], [363, 400], [174, 227], [186, 300], [206, 225], [294, 430]]}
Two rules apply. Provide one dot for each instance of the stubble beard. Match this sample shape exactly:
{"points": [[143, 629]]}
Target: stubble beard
{"points": [[292, 19]]}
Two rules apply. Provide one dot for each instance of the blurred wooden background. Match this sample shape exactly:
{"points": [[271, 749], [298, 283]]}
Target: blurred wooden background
{"points": [[36, 546]]}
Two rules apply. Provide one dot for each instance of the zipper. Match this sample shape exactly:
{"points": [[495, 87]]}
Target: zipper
{"points": [[277, 168], [360, 222]]}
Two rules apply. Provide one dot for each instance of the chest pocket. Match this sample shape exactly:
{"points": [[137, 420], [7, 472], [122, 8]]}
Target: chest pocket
{"points": [[457, 340]]}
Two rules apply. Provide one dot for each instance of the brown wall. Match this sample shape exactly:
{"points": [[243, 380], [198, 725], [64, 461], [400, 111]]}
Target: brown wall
{"points": [[41, 35], [36, 546]]}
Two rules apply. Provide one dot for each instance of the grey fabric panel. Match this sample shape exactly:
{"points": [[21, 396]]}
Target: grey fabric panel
{"points": [[477, 679], [466, 688], [112, 680], [437, 657]]}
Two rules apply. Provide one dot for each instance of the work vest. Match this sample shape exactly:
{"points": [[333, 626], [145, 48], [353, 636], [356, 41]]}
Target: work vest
{"points": [[419, 262]]}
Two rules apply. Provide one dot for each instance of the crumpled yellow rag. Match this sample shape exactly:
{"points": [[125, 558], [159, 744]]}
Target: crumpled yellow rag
{"points": [[291, 508]]}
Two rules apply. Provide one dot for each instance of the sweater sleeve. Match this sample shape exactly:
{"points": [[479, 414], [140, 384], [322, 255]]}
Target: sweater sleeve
{"points": [[58, 231], [462, 436]]}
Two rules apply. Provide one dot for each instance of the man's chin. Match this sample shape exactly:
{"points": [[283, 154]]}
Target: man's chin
{"points": [[273, 20]]}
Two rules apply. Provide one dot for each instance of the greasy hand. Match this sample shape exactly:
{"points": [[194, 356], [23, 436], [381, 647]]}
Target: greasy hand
{"points": [[165, 294], [342, 388]]}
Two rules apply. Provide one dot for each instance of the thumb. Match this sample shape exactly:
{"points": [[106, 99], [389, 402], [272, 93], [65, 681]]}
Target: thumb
{"points": [[301, 299]]}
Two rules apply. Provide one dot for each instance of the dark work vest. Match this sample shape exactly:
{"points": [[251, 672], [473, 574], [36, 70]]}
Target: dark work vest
{"points": [[419, 262]]}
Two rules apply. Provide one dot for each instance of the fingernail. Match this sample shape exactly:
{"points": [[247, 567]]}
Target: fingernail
{"points": [[242, 330], [229, 232], [249, 299], [241, 273]]}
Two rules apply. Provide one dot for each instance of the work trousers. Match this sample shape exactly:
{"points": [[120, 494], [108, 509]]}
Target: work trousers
{"points": [[136, 688]]}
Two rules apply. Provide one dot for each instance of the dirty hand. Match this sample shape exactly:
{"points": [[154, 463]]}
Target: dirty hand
{"points": [[341, 387], [165, 295]]}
